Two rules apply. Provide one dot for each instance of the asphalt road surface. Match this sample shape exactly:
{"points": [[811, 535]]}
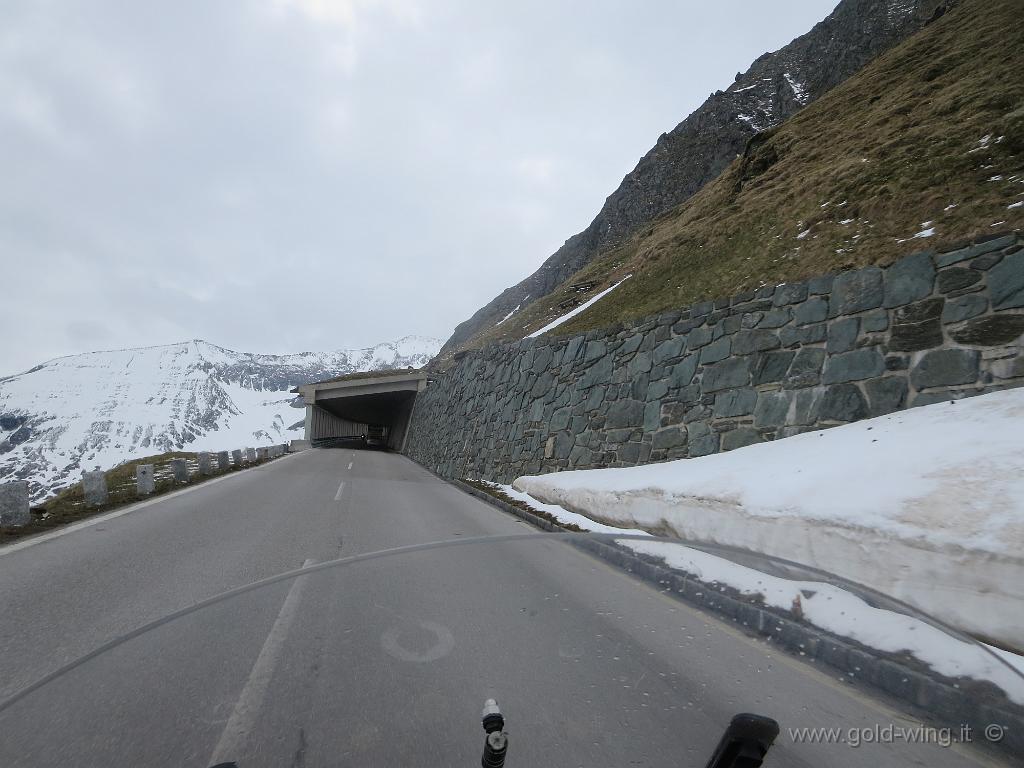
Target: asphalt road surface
{"points": [[386, 661]]}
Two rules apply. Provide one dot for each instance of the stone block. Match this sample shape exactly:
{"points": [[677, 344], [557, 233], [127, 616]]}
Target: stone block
{"points": [[542, 359], [989, 331], [14, 504], [957, 278], [206, 463], [572, 349], [874, 321], [790, 293], [945, 367], [702, 308], [716, 350], [853, 366], [145, 483], [910, 279], [561, 445], [94, 488], [735, 402], [668, 350], [704, 446], [672, 437], [262, 454], [629, 453], [594, 399], [772, 409], [986, 262], [560, 420], [814, 310], [776, 318], [963, 308], [740, 438], [236, 457], [697, 338], [809, 334], [858, 290], [656, 390], [641, 363], [1008, 368], [625, 413], [822, 284], [758, 340], [683, 371], [731, 324], [807, 406], [975, 250], [599, 373], [594, 350], [770, 367], [652, 416], [843, 402], [805, 370], [179, 470], [631, 344], [734, 372], [751, 319], [1006, 282], [842, 334], [886, 395]]}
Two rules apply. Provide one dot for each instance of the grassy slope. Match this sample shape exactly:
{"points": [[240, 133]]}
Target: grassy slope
{"points": [[894, 143]]}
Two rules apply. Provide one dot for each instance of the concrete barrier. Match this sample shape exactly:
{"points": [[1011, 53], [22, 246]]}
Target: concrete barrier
{"points": [[223, 460], [145, 483], [236, 457], [14, 510], [262, 454], [298, 445], [205, 464], [94, 487], [179, 470], [250, 455]]}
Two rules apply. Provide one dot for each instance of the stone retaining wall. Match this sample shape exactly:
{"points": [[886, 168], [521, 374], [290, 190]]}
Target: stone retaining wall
{"points": [[724, 374]]}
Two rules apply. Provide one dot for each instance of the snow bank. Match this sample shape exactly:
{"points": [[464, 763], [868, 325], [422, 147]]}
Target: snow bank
{"points": [[926, 505], [824, 605]]}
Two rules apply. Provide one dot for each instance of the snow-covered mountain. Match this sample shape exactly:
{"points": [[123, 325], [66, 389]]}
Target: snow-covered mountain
{"points": [[96, 410]]}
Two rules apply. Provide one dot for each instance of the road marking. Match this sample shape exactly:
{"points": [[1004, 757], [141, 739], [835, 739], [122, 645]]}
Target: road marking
{"points": [[91, 521], [250, 701], [337, 496], [350, 465]]}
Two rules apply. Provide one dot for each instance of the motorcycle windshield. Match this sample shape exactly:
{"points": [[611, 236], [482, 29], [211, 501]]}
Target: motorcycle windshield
{"points": [[600, 650]]}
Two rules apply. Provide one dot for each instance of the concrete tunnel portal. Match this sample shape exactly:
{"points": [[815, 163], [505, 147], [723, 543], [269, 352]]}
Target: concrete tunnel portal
{"points": [[376, 406]]}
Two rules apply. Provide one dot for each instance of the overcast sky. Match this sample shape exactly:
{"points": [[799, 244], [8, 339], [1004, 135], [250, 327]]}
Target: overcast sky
{"points": [[290, 175]]}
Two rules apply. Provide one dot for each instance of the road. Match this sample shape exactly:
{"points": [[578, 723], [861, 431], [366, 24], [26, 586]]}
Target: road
{"points": [[385, 661]]}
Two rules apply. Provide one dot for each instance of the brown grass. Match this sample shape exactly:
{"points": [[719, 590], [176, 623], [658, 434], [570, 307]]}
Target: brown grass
{"points": [[893, 143]]}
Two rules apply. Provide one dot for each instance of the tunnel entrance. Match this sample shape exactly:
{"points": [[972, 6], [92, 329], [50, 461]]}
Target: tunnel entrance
{"points": [[363, 409]]}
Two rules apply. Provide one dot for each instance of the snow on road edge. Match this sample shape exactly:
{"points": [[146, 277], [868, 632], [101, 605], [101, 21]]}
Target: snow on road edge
{"points": [[825, 605]]}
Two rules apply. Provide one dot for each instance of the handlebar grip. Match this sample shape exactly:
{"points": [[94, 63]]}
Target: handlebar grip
{"points": [[745, 742]]}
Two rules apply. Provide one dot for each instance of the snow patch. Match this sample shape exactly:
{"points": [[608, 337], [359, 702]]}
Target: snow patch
{"points": [[940, 525], [506, 317], [581, 308]]}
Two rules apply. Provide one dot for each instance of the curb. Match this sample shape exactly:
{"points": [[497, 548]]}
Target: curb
{"points": [[931, 696]]}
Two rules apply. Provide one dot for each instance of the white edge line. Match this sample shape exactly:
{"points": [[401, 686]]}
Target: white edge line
{"points": [[250, 700], [43, 537], [341, 487]]}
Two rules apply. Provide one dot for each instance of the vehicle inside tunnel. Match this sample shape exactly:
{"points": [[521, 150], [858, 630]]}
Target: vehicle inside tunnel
{"points": [[370, 410]]}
